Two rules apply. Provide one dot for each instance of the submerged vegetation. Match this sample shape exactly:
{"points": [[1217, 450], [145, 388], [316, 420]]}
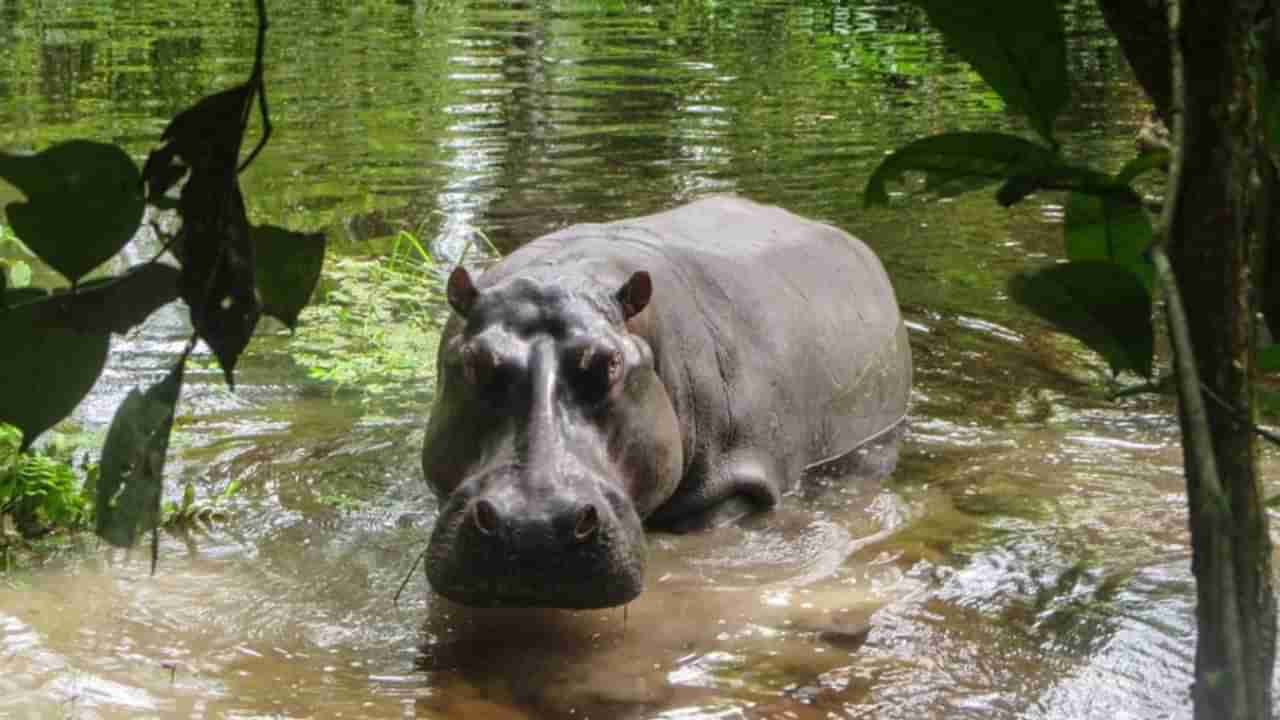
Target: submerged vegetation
{"points": [[375, 322], [48, 498]]}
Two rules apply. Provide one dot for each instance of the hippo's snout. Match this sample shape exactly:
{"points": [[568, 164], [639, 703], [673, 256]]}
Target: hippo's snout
{"points": [[499, 543], [489, 521]]}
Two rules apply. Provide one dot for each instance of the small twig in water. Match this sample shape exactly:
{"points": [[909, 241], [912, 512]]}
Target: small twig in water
{"points": [[416, 562]]}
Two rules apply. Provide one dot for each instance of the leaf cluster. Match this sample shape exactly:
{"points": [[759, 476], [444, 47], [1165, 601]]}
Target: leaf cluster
{"points": [[192, 514], [42, 491], [1102, 294], [82, 202]]}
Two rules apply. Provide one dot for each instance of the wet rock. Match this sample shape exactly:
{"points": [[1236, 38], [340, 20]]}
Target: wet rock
{"points": [[844, 629]]}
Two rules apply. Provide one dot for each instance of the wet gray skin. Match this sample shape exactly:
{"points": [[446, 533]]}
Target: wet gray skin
{"points": [[673, 371]]}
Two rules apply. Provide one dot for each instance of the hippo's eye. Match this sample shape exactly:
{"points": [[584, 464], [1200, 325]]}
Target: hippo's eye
{"points": [[598, 371]]}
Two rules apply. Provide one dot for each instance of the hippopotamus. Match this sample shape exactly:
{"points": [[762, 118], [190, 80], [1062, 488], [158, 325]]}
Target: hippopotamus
{"points": [[666, 372]]}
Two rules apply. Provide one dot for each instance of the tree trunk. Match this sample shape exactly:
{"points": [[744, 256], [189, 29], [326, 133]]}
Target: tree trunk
{"points": [[1214, 237]]}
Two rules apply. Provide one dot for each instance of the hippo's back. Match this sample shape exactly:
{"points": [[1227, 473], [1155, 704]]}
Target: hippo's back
{"points": [[770, 330]]}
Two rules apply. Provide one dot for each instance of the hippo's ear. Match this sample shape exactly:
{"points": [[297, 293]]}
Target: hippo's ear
{"points": [[634, 294], [461, 291]]}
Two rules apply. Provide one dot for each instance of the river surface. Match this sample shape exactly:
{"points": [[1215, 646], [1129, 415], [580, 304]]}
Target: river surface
{"points": [[1028, 559]]}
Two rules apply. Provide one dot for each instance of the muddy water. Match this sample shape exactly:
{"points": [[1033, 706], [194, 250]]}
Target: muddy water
{"points": [[1027, 559]]}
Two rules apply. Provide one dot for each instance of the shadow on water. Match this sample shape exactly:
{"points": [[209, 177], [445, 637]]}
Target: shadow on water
{"points": [[1028, 557]]}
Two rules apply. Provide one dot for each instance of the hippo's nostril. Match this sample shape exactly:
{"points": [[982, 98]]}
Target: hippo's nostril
{"points": [[588, 523], [485, 516]]}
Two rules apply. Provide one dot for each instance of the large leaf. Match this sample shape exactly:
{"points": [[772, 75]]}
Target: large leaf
{"points": [[1142, 164], [1114, 227], [288, 269], [131, 472], [217, 280], [117, 304], [1053, 175], [1102, 304], [83, 203], [217, 257], [1019, 48], [958, 162], [45, 370]]}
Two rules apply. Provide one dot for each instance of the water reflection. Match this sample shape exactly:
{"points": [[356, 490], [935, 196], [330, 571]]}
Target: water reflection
{"points": [[1028, 559]]}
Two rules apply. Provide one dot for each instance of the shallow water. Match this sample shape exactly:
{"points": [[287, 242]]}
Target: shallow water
{"points": [[1028, 558]]}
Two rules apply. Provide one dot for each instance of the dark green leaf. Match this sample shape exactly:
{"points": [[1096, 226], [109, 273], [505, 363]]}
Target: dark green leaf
{"points": [[1268, 359], [1269, 105], [45, 371], [207, 137], [217, 257], [1019, 48], [14, 297], [117, 304], [1102, 304], [288, 269], [1016, 189], [966, 160], [1144, 163], [1273, 502], [1054, 176], [131, 477], [1114, 227], [83, 203]]}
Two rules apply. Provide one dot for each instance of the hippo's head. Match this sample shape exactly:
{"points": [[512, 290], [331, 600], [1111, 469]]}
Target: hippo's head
{"points": [[551, 438]]}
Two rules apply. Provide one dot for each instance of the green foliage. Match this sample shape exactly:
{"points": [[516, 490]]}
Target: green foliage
{"points": [[342, 502], [192, 513], [377, 325], [1101, 303], [45, 370], [1143, 164], [289, 266], [84, 202], [1112, 227], [1103, 296], [40, 491], [1269, 105], [1019, 48], [1268, 359], [14, 274], [955, 163], [132, 468]]}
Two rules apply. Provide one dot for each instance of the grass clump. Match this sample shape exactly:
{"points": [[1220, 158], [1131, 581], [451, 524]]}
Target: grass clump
{"points": [[375, 326], [41, 491]]}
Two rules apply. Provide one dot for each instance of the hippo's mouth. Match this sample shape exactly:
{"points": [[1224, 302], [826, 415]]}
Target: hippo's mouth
{"points": [[487, 551], [520, 592]]}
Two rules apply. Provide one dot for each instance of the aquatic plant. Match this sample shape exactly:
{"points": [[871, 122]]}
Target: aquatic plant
{"points": [[375, 322]]}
